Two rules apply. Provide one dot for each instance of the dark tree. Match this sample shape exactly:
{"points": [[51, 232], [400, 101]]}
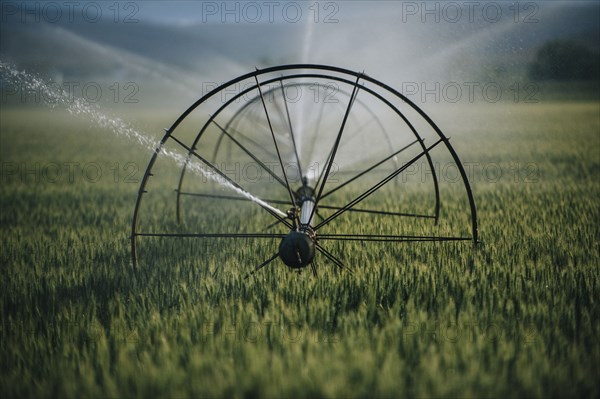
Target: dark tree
{"points": [[564, 60]]}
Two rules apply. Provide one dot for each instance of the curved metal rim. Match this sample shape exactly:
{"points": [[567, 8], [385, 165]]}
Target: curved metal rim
{"points": [[295, 76], [256, 98], [259, 72]]}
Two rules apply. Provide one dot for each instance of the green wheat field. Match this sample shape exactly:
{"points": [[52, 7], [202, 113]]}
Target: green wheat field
{"points": [[518, 315]]}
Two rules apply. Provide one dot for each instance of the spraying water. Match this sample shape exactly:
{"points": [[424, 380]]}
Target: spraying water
{"points": [[54, 96], [306, 51]]}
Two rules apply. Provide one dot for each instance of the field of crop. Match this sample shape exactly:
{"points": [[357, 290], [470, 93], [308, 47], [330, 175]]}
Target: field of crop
{"points": [[517, 315]]}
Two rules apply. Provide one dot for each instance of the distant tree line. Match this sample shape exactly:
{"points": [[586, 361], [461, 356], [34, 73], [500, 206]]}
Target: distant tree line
{"points": [[565, 60]]}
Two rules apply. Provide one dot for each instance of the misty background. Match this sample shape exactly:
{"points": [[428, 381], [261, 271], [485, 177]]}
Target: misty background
{"points": [[173, 52]]}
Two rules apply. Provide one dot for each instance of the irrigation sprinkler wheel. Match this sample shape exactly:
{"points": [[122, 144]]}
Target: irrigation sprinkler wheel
{"points": [[285, 155]]}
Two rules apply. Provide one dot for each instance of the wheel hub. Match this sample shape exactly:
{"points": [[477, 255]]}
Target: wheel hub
{"points": [[297, 249]]}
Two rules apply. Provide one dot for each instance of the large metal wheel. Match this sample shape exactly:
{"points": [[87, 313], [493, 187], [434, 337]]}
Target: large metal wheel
{"points": [[301, 159]]}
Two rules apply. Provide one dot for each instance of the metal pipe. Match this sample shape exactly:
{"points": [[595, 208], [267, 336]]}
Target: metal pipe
{"points": [[306, 211]]}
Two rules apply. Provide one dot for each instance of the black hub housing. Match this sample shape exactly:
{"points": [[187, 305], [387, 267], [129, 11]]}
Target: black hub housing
{"points": [[297, 250]]}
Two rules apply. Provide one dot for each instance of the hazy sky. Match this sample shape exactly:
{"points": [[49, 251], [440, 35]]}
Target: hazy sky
{"points": [[181, 43]]}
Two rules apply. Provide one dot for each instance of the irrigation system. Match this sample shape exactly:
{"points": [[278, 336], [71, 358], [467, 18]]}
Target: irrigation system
{"points": [[316, 145]]}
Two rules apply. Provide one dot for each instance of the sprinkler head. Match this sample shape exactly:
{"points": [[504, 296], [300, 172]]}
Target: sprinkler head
{"points": [[305, 193], [297, 249], [292, 213]]}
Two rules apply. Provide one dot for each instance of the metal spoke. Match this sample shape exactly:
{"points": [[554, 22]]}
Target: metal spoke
{"points": [[287, 111], [350, 136], [265, 263], [274, 139], [332, 258], [375, 187], [354, 172], [313, 267], [262, 165], [316, 134], [385, 213], [355, 133], [319, 215], [211, 235], [234, 198], [368, 169], [230, 181], [388, 238], [275, 223], [249, 140], [331, 155], [320, 175], [337, 143]]}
